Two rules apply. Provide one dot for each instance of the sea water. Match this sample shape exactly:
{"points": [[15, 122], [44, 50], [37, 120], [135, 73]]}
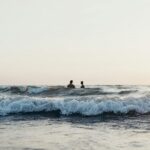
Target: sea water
{"points": [[53, 117]]}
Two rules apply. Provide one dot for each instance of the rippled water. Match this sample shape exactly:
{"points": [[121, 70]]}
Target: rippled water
{"points": [[72, 121], [43, 133]]}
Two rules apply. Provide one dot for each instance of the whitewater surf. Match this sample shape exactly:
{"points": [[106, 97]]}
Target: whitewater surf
{"points": [[91, 101]]}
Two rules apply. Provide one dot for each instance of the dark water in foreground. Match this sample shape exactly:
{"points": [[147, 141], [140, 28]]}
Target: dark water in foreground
{"points": [[100, 117]]}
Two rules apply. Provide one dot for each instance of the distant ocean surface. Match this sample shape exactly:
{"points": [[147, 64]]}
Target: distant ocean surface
{"points": [[110, 117]]}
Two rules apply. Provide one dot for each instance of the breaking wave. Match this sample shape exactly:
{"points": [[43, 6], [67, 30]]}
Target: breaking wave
{"points": [[70, 106], [92, 101]]}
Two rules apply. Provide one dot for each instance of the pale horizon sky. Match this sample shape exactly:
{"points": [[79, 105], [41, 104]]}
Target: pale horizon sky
{"points": [[52, 41]]}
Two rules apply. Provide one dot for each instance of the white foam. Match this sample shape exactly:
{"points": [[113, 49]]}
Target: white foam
{"points": [[68, 106], [36, 90]]}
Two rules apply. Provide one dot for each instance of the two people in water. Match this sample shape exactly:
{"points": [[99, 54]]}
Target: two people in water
{"points": [[72, 86]]}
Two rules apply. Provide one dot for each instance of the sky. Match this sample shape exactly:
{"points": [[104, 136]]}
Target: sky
{"points": [[49, 42]]}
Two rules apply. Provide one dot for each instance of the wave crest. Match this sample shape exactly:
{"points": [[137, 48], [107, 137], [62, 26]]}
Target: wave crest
{"points": [[70, 106]]}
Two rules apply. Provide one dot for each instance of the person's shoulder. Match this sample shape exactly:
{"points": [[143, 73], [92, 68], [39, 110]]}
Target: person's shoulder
{"points": [[71, 86], [82, 86]]}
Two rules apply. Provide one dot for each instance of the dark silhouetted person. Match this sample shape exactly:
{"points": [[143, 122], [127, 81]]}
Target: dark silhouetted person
{"points": [[82, 85], [71, 85]]}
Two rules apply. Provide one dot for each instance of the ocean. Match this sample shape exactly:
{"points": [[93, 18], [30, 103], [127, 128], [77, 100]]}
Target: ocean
{"points": [[108, 117]]}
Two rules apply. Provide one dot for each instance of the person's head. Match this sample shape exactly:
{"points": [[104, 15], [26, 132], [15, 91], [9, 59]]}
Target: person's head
{"points": [[71, 81], [82, 82]]}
